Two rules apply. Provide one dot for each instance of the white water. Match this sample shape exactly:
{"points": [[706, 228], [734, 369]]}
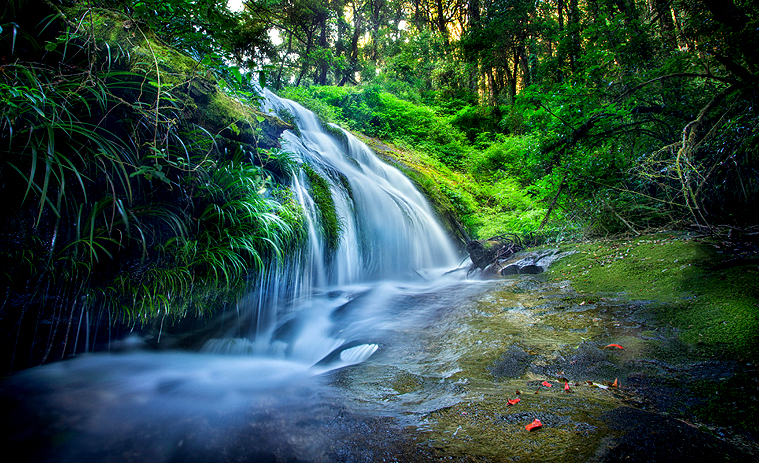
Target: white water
{"points": [[388, 234]]}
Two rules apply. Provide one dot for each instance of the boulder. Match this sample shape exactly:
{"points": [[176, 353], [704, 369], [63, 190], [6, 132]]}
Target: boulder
{"points": [[531, 263]]}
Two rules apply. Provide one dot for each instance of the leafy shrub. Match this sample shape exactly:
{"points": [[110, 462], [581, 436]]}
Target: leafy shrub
{"points": [[510, 156], [475, 120]]}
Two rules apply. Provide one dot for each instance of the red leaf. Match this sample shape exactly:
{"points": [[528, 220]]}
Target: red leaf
{"points": [[616, 384], [614, 345], [536, 424], [566, 387], [547, 384], [514, 401]]}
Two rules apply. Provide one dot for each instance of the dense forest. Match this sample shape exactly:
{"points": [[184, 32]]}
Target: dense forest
{"points": [[140, 184]]}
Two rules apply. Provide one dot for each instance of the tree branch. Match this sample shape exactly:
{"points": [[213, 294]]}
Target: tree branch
{"points": [[675, 76]]}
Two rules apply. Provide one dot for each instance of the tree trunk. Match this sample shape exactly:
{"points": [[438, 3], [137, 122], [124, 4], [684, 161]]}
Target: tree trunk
{"points": [[574, 34], [323, 65], [306, 60], [441, 23], [357, 30], [474, 13]]}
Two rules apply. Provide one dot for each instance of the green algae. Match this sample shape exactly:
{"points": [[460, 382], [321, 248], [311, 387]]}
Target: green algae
{"points": [[329, 219]]}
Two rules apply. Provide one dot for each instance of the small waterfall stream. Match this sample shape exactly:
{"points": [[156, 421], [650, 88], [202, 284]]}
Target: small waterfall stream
{"points": [[267, 389], [367, 350], [388, 234]]}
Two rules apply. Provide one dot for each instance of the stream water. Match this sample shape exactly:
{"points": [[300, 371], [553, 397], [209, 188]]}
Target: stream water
{"points": [[261, 387], [372, 351]]}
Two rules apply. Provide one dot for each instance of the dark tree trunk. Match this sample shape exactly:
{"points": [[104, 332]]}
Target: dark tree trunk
{"points": [[278, 82], [357, 30], [321, 78]]}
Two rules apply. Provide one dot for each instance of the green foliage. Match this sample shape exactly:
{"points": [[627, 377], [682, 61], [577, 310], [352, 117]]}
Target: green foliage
{"points": [[325, 205], [234, 234], [206, 29], [479, 123], [121, 193], [509, 157], [604, 89]]}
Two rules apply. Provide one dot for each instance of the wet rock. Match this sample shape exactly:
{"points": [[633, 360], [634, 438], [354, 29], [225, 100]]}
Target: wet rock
{"points": [[587, 363], [649, 437], [512, 364], [483, 253], [531, 263]]}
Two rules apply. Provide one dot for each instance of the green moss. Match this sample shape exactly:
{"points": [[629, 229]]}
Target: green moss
{"points": [[682, 281], [336, 132], [725, 401], [329, 220]]}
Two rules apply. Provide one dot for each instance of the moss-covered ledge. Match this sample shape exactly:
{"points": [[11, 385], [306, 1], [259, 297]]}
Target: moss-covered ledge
{"points": [[124, 46]]}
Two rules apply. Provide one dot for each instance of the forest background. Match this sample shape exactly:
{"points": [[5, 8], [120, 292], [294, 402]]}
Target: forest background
{"points": [[140, 186], [620, 115]]}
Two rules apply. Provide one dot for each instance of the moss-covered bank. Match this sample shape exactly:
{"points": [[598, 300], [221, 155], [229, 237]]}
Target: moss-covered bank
{"points": [[706, 289]]}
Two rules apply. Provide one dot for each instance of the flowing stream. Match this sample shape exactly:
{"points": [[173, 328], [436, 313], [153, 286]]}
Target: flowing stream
{"points": [[305, 310], [263, 386]]}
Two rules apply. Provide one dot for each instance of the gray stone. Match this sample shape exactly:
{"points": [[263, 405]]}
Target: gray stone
{"points": [[532, 262]]}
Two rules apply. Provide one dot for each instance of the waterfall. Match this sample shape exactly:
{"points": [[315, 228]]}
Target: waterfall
{"points": [[257, 391], [389, 233]]}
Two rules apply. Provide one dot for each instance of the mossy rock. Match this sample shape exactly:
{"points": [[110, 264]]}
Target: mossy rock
{"points": [[328, 217], [125, 46]]}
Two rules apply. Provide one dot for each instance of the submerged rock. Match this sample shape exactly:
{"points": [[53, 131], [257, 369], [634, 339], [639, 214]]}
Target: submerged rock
{"points": [[512, 364]]}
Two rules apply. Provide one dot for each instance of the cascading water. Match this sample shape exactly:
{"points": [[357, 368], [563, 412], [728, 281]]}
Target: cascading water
{"points": [[388, 232], [333, 305]]}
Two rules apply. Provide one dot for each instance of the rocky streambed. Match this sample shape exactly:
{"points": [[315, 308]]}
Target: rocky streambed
{"points": [[626, 350]]}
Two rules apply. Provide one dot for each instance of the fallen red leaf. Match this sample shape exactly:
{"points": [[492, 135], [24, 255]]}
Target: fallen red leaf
{"points": [[534, 425], [514, 401], [547, 384], [614, 345], [566, 387], [615, 384]]}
